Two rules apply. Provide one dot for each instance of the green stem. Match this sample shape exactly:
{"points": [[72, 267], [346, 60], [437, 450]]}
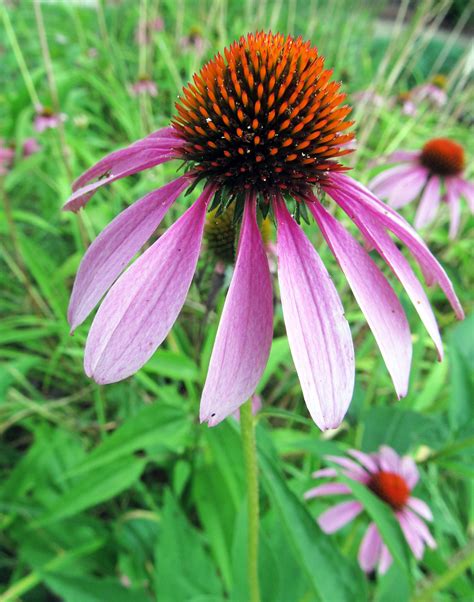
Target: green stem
{"points": [[462, 561], [247, 428]]}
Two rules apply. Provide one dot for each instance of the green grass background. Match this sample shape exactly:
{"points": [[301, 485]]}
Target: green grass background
{"points": [[116, 492]]}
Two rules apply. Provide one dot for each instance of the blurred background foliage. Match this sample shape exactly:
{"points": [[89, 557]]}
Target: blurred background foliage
{"points": [[117, 492]]}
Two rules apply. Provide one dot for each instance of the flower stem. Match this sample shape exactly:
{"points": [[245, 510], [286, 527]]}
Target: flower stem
{"points": [[247, 428]]}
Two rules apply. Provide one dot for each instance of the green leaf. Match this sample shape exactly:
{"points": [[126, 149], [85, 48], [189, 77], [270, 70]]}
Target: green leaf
{"points": [[91, 589], [94, 488], [161, 427], [331, 575], [402, 429], [176, 366], [184, 571], [461, 352]]}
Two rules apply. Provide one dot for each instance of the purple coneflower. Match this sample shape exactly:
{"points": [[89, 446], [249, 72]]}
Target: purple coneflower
{"points": [[144, 86], [261, 127], [392, 479], [439, 163], [45, 118], [30, 147]]}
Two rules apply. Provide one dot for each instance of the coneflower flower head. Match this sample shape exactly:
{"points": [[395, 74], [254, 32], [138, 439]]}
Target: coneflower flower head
{"points": [[440, 163], [391, 478], [263, 117], [262, 127]]}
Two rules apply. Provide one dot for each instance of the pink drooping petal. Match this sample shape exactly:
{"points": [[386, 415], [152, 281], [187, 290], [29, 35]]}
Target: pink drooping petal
{"points": [[350, 466], [161, 139], [142, 306], [388, 250], [385, 560], [409, 471], [413, 538], [324, 472], [336, 517], [365, 459], [400, 186], [389, 177], [142, 155], [408, 189], [429, 203], [318, 333], [467, 190], [245, 331], [370, 549], [402, 155], [374, 295], [327, 489], [115, 246], [419, 527], [454, 205], [342, 188], [389, 460], [420, 507]]}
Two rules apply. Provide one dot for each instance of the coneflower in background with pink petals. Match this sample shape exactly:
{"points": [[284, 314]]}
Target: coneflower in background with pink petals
{"points": [[436, 172], [392, 479]]}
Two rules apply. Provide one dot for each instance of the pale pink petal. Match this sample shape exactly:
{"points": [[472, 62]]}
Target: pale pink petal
{"points": [[245, 331], [318, 333], [402, 185], [419, 527], [142, 306], [139, 161], [390, 177], [413, 538], [429, 203], [420, 507], [389, 460], [161, 140], [385, 560], [327, 489], [115, 246], [409, 471], [350, 465], [402, 155], [324, 472], [408, 189], [343, 188], [454, 206], [365, 459], [375, 296], [467, 190], [336, 517], [370, 549], [388, 250]]}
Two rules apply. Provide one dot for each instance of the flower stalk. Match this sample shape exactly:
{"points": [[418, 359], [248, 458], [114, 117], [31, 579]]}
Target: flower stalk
{"points": [[247, 428]]}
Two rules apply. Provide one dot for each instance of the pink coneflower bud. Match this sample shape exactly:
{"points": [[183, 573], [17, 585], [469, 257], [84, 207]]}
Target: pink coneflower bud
{"points": [[440, 163], [144, 86], [46, 119], [30, 146], [261, 126], [391, 478]]}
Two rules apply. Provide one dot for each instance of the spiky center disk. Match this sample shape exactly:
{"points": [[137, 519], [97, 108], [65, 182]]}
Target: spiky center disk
{"points": [[264, 117], [391, 488], [443, 157]]}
